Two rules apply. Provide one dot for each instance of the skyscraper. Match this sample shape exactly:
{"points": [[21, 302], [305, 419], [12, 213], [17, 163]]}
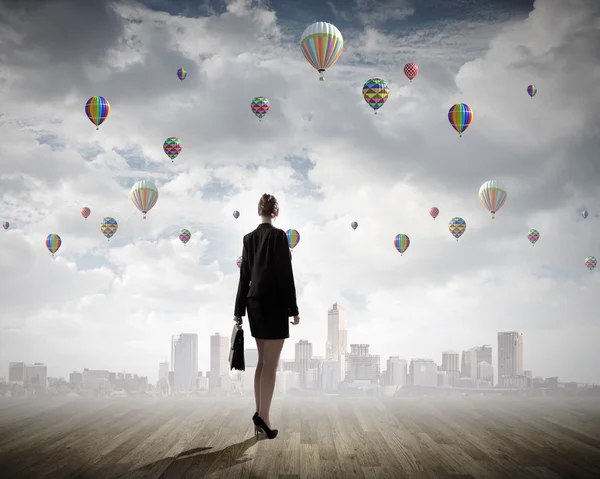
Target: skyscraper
{"points": [[396, 371], [304, 353], [219, 359], [468, 367], [337, 338], [184, 360], [510, 355], [451, 364], [484, 353]]}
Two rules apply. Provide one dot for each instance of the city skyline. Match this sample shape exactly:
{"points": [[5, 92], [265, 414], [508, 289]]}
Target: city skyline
{"points": [[323, 153]]}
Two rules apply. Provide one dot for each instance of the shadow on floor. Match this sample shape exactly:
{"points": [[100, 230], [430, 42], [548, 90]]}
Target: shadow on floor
{"points": [[197, 462]]}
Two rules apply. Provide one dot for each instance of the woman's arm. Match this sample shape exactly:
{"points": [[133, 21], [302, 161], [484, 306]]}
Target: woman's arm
{"points": [[286, 274], [243, 285]]}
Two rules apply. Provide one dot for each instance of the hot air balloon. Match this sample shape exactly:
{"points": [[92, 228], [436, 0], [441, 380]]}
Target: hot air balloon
{"points": [[492, 196], [321, 45], [144, 195], [293, 238], [532, 90], [85, 212], [185, 236], [584, 214], [181, 73], [109, 227], [236, 214], [457, 227], [402, 242], [533, 236], [375, 92], [53, 242], [434, 212], [590, 263], [172, 147], [6, 225], [460, 117], [97, 110], [260, 107], [239, 262], [410, 70], [354, 225]]}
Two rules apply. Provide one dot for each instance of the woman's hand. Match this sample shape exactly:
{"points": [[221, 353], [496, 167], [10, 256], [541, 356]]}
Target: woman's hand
{"points": [[238, 320], [296, 320]]}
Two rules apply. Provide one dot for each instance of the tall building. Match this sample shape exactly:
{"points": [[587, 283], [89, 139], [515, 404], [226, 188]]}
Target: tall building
{"points": [[163, 371], [16, 372], [396, 371], [337, 337], [451, 365], [423, 372], [184, 360], [468, 367], [36, 375], [484, 353], [219, 359], [361, 365], [329, 375], [510, 355], [304, 353]]}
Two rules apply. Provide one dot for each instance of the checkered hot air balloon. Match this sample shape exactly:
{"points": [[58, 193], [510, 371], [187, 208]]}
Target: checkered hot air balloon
{"points": [[375, 92], [85, 212], [144, 195], [181, 73], [185, 236], [434, 212], [401, 242], [460, 117], [172, 147], [457, 227], [97, 110], [260, 107], [6, 225], [354, 225], [293, 238], [109, 227], [533, 236], [590, 263], [321, 45], [238, 262], [410, 70], [53, 243]]}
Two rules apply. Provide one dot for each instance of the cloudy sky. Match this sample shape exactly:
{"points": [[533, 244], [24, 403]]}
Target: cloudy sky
{"points": [[322, 152]]}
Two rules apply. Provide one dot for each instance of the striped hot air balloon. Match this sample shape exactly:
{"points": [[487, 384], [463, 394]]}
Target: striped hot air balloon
{"points": [[181, 73], [97, 110], [532, 90], [53, 243], [354, 225], [236, 214], [492, 195], [460, 117], [6, 225], [293, 238], [321, 45], [401, 242], [144, 195]]}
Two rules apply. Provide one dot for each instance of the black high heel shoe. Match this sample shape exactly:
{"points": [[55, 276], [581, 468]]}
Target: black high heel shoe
{"points": [[256, 429], [262, 426]]}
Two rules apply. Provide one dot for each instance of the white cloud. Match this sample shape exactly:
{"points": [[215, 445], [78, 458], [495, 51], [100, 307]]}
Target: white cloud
{"points": [[115, 304]]}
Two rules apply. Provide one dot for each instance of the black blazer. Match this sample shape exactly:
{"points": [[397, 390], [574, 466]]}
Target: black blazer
{"points": [[266, 270]]}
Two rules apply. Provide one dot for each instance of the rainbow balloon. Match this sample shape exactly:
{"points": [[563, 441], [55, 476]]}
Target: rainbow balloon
{"points": [[532, 90], [460, 117], [492, 195], [181, 73], [6, 225], [236, 214], [97, 110], [293, 238], [354, 225], [321, 45], [53, 242], [402, 242], [144, 195]]}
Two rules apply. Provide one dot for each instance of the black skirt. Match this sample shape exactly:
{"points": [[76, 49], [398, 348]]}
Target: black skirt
{"points": [[267, 319]]}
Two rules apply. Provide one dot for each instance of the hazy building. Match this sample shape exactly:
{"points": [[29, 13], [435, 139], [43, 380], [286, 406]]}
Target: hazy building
{"points": [[360, 365], [337, 337], [485, 374], [396, 371], [304, 352], [36, 375], [423, 372], [163, 371], [75, 378], [451, 365], [329, 375], [484, 353], [97, 381], [510, 355], [468, 367], [286, 381], [184, 360], [16, 372], [219, 360], [442, 378]]}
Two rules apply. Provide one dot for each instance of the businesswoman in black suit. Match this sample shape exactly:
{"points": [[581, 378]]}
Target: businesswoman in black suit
{"points": [[267, 290]]}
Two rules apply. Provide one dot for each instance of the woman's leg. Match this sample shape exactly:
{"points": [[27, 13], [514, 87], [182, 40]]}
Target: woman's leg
{"points": [[260, 345], [271, 353]]}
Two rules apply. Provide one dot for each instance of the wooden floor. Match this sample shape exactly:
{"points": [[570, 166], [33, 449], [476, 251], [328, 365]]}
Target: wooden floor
{"points": [[327, 437]]}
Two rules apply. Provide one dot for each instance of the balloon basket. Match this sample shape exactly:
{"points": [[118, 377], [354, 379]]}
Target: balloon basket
{"points": [[321, 78]]}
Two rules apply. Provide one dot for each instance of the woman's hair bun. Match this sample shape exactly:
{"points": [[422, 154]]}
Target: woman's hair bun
{"points": [[267, 205]]}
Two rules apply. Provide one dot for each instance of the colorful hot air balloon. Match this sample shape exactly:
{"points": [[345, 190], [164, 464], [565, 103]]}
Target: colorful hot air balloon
{"points": [[109, 227], [590, 263], [6, 225], [293, 238], [144, 195], [354, 225], [185, 236], [402, 242], [457, 227], [321, 45], [260, 107], [53, 242], [375, 92], [239, 262], [492, 196], [236, 214], [172, 147], [181, 73], [532, 90], [460, 117], [86, 212], [434, 212], [410, 70], [533, 236], [584, 214], [97, 110]]}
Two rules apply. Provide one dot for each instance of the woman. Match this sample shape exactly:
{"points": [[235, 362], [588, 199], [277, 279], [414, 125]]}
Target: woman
{"points": [[267, 290]]}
